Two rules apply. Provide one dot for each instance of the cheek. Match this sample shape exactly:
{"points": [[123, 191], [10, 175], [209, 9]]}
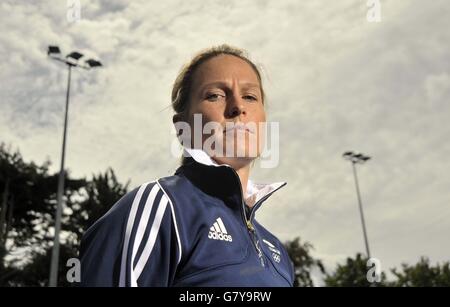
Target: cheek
{"points": [[259, 114], [259, 118], [263, 116], [209, 113]]}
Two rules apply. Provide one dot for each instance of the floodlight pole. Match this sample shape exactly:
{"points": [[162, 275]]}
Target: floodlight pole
{"points": [[359, 158], [71, 60], [363, 223], [55, 251]]}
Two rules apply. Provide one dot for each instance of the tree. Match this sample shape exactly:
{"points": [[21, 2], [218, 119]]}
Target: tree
{"points": [[352, 274], [36, 271], [304, 263], [99, 195], [422, 275], [28, 203]]}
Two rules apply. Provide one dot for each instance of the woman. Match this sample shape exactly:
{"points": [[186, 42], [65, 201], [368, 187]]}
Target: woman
{"points": [[197, 227]]}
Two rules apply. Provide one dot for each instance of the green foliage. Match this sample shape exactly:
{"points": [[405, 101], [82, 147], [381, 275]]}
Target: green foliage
{"points": [[352, 274], [422, 274], [27, 210], [304, 263]]}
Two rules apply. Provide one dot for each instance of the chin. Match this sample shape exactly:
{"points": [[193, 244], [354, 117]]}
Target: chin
{"points": [[236, 162], [243, 152]]}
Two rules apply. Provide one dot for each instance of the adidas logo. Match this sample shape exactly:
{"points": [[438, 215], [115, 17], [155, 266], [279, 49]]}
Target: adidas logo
{"points": [[219, 232]]}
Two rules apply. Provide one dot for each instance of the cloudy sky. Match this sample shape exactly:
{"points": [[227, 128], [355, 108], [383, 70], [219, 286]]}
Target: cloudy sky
{"points": [[334, 82]]}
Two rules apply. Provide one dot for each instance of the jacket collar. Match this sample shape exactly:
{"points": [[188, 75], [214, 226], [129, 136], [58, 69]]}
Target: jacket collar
{"points": [[221, 179]]}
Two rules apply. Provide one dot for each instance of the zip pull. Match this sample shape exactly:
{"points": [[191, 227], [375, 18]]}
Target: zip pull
{"points": [[250, 226]]}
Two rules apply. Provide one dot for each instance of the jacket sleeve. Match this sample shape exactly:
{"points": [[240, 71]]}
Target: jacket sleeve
{"points": [[135, 244]]}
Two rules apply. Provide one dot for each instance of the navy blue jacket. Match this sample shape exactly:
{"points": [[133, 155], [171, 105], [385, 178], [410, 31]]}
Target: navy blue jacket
{"points": [[191, 229]]}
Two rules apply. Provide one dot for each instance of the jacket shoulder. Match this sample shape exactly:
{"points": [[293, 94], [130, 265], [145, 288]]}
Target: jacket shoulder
{"points": [[116, 216]]}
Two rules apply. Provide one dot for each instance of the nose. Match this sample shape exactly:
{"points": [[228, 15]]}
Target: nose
{"points": [[235, 107]]}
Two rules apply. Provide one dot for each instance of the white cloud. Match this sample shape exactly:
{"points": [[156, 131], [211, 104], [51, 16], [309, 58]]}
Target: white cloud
{"points": [[334, 81]]}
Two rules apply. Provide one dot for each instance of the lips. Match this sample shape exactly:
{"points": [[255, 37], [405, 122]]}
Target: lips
{"points": [[237, 127]]}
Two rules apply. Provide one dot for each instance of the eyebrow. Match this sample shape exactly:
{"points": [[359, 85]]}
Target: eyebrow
{"points": [[245, 85]]}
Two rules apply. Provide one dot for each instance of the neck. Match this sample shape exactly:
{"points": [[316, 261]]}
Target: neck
{"points": [[242, 168], [243, 174]]}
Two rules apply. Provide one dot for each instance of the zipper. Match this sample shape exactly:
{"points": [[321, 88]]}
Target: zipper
{"points": [[248, 221]]}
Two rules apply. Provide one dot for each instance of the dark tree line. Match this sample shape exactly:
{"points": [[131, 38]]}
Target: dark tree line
{"points": [[354, 271], [28, 203]]}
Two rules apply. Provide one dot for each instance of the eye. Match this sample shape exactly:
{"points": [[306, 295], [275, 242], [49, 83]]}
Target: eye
{"points": [[250, 97], [214, 96]]}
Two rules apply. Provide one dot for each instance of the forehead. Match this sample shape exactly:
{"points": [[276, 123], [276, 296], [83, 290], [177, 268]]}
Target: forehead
{"points": [[224, 68]]}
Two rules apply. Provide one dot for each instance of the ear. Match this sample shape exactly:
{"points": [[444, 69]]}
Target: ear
{"points": [[176, 118]]}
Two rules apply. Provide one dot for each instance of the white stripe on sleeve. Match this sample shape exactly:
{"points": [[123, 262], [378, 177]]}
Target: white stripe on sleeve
{"points": [[174, 222], [130, 222], [142, 226], [152, 238]]}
